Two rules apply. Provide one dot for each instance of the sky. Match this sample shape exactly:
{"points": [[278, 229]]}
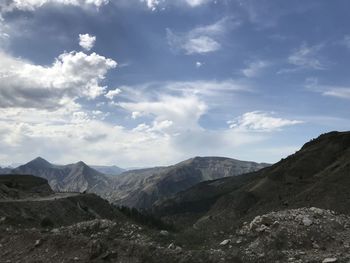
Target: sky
{"points": [[153, 82]]}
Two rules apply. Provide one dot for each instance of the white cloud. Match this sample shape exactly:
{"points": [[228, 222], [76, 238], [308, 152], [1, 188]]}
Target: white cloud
{"points": [[87, 41], [343, 93], [151, 4], [136, 114], [156, 4], [254, 68], [183, 112], [112, 93], [31, 5], [328, 90], [199, 64], [201, 40], [307, 57], [202, 44], [169, 129], [260, 122], [72, 75], [194, 3]]}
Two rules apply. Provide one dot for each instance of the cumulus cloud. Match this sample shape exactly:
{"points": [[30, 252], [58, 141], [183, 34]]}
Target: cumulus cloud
{"points": [[87, 41], [260, 122], [72, 75], [112, 93], [201, 40]]}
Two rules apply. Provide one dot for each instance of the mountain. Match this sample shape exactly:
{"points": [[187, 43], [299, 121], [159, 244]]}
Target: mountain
{"points": [[109, 170], [77, 177], [5, 170], [142, 188], [317, 175]]}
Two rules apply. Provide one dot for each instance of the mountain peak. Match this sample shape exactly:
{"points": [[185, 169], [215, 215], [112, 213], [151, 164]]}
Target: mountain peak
{"points": [[39, 162], [81, 163]]}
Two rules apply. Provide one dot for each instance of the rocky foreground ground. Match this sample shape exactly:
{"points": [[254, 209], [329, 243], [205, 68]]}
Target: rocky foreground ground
{"points": [[297, 235]]}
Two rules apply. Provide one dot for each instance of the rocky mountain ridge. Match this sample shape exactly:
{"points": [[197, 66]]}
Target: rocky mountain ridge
{"points": [[148, 186], [316, 175], [77, 177]]}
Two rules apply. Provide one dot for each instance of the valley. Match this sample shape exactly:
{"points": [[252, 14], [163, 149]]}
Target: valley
{"points": [[206, 209]]}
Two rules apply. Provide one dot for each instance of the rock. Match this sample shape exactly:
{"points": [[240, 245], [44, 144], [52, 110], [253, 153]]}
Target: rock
{"points": [[38, 243], [171, 246], [329, 260], [178, 249], [316, 210], [307, 221], [164, 233], [262, 228], [76, 259], [96, 249], [55, 231], [225, 242], [315, 245]]}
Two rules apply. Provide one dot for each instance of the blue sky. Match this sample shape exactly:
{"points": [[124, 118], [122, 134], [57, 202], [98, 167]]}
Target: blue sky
{"points": [[143, 83]]}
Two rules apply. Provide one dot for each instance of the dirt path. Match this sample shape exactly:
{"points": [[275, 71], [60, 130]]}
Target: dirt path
{"points": [[41, 198]]}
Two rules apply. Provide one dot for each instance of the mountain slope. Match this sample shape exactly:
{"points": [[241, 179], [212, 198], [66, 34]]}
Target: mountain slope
{"points": [[142, 188], [109, 170], [77, 177], [317, 175], [5, 170]]}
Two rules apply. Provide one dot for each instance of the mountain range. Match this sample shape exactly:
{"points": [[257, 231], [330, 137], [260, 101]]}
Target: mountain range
{"points": [[142, 188], [205, 209], [136, 188], [77, 177], [317, 175]]}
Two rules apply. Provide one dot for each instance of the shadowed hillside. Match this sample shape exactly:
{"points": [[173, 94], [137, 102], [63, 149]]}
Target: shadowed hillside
{"points": [[142, 188], [317, 175]]}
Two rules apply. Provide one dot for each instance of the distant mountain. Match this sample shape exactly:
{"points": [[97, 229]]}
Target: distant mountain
{"points": [[317, 175], [77, 177], [109, 170], [142, 188], [5, 170]]}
